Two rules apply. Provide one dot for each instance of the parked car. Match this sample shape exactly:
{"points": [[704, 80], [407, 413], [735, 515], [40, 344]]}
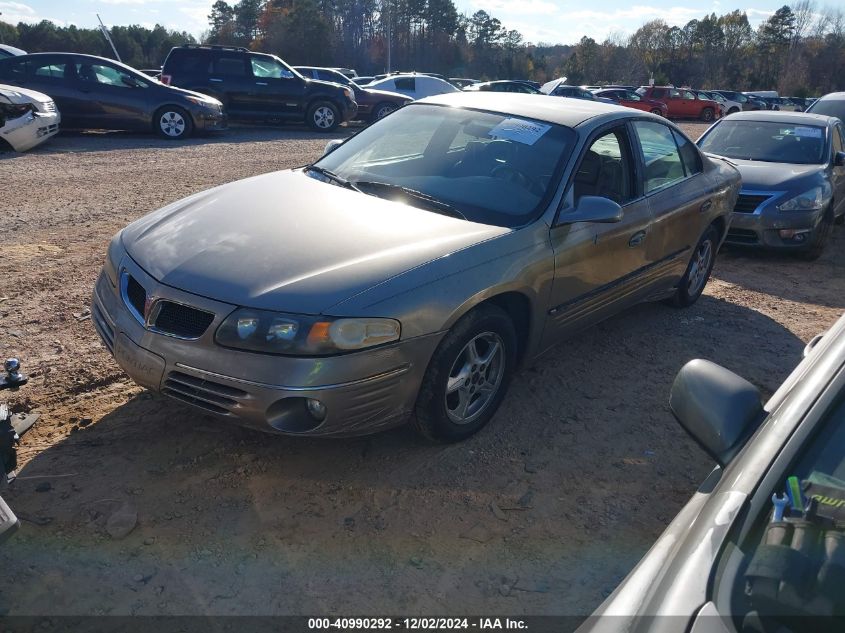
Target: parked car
{"points": [[258, 87], [469, 233], [631, 99], [27, 118], [731, 561], [416, 86], [98, 93], [462, 82], [502, 86], [832, 104], [793, 177], [347, 72], [771, 103], [10, 51], [556, 88], [363, 81], [533, 84], [728, 106], [748, 103], [682, 103], [372, 104]]}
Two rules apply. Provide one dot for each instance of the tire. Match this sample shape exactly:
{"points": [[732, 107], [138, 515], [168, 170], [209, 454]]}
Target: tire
{"points": [[698, 270], [382, 110], [840, 220], [707, 115], [733, 110], [451, 415], [323, 116], [820, 238], [173, 123], [656, 111]]}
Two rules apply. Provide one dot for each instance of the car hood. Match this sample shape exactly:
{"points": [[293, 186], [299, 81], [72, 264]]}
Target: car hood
{"points": [[386, 94], [286, 241], [13, 94], [761, 175]]}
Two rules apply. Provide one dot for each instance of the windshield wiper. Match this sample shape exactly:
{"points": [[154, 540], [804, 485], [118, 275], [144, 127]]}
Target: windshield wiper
{"points": [[343, 182], [432, 203]]}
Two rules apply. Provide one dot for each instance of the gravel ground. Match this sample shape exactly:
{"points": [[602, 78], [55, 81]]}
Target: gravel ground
{"points": [[543, 512]]}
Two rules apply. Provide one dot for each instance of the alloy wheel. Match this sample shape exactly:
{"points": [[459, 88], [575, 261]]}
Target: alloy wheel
{"points": [[324, 117], [700, 267], [475, 377]]}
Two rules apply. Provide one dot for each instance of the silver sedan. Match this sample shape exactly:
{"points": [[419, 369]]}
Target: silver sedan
{"points": [[407, 273]]}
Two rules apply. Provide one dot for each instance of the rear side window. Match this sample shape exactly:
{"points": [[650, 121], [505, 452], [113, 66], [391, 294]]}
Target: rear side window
{"points": [[689, 155], [230, 65], [405, 83], [663, 165], [48, 69], [13, 70], [659, 93], [187, 61]]}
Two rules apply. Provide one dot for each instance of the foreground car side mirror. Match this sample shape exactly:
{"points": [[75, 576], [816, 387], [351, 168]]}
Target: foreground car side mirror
{"points": [[332, 145], [593, 209], [716, 407], [839, 159]]}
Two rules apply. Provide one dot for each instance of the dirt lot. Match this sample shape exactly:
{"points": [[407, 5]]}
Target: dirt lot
{"points": [[541, 513]]}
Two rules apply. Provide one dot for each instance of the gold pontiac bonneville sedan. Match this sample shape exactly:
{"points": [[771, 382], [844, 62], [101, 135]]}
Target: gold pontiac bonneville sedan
{"points": [[407, 273]]}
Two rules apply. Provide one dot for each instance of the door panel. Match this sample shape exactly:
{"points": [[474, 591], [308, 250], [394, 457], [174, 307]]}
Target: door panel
{"points": [[230, 77], [838, 173], [54, 76], [600, 268], [119, 105], [276, 91], [678, 194]]}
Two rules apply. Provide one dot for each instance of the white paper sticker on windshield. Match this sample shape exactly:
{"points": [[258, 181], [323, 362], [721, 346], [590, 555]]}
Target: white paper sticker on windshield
{"points": [[525, 132], [810, 132]]}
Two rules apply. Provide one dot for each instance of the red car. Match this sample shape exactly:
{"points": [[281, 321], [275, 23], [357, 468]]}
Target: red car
{"points": [[631, 99], [682, 104]]}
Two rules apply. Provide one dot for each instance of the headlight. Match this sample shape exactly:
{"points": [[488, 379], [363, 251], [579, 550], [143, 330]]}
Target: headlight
{"points": [[113, 257], [288, 334], [812, 199], [206, 102]]}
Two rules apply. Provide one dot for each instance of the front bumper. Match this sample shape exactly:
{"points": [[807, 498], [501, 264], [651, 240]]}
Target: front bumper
{"points": [[349, 110], [363, 392], [761, 227], [30, 130], [208, 120]]}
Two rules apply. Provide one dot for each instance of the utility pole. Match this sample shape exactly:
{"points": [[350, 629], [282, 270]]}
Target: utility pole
{"points": [[387, 4], [108, 37]]}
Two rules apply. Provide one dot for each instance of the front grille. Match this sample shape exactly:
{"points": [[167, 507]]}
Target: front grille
{"points": [[48, 106], [742, 236], [748, 203], [180, 320], [136, 294], [206, 394]]}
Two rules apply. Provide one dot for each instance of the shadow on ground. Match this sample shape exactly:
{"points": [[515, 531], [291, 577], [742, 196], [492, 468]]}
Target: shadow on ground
{"points": [[543, 512]]}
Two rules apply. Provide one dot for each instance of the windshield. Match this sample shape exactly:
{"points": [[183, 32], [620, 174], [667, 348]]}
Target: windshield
{"points": [[487, 167], [768, 141], [829, 107]]}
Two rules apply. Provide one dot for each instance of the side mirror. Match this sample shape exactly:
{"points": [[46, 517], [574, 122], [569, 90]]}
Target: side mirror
{"points": [[716, 407], [332, 145], [593, 209], [839, 159]]}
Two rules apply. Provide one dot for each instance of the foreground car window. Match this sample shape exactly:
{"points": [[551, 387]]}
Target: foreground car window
{"points": [[660, 154], [491, 168], [767, 141]]}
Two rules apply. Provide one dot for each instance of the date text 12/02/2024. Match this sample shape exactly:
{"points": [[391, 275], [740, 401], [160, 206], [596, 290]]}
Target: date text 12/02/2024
{"points": [[422, 623]]}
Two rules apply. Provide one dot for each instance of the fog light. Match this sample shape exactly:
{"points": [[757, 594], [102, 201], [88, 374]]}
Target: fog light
{"points": [[795, 235], [316, 408], [786, 234]]}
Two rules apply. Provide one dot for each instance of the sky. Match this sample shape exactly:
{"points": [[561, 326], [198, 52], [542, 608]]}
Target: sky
{"points": [[547, 21]]}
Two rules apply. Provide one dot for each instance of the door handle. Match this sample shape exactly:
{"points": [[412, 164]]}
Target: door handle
{"points": [[705, 206], [636, 239], [214, 79], [260, 83]]}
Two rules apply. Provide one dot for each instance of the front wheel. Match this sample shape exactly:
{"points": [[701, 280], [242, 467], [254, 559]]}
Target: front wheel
{"points": [[656, 111], [382, 110], [173, 123], [707, 115], [467, 376], [323, 116], [698, 270], [733, 110], [820, 237]]}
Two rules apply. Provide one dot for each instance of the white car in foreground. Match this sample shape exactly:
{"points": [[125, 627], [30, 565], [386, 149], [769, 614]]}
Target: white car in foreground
{"points": [[27, 118]]}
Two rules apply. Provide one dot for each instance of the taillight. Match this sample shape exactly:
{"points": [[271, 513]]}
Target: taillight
{"points": [[165, 79]]}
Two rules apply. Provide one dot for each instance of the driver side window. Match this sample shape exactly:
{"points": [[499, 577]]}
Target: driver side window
{"points": [[605, 169]]}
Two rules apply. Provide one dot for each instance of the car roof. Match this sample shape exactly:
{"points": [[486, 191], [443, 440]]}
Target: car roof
{"points": [[780, 116], [833, 96], [568, 112]]}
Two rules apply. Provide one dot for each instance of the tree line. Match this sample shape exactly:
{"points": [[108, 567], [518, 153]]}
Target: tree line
{"points": [[796, 51]]}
